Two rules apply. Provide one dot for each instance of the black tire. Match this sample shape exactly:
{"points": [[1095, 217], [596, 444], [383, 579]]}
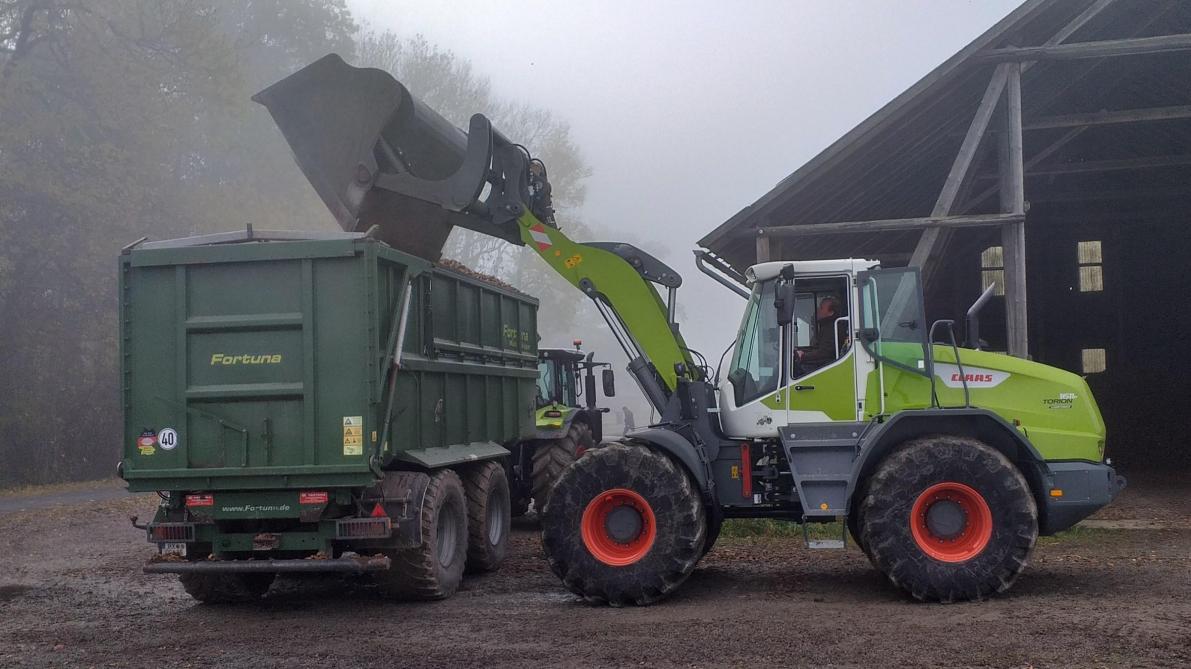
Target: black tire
{"points": [[551, 457], [855, 523], [679, 527], [433, 568], [226, 588], [488, 516], [1002, 492]]}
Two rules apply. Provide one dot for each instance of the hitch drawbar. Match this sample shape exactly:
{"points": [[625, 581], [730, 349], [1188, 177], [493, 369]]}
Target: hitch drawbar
{"points": [[355, 565]]}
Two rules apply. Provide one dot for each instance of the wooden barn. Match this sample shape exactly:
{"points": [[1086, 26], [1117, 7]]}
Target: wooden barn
{"points": [[1052, 158]]}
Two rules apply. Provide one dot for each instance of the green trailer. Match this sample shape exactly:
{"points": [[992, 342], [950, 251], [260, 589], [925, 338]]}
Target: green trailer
{"points": [[320, 403]]}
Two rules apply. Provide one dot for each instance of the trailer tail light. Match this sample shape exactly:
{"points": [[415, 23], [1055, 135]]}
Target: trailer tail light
{"points": [[378, 511], [171, 532], [363, 528], [313, 497], [203, 499]]}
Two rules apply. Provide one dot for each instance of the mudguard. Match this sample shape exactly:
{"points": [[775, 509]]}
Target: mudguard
{"points": [[690, 455]]}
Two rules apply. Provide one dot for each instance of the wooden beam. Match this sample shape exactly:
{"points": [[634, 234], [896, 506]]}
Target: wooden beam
{"points": [[934, 239], [1110, 117], [1079, 50], [1088, 166], [1013, 235], [1042, 155], [764, 250], [890, 225]]}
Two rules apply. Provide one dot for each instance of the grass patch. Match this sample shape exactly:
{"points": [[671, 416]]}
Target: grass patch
{"points": [[56, 488], [769, 527], [1078, 533]]}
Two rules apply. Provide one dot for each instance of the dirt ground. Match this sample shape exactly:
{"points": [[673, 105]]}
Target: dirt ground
{"points": [[72, 594]]}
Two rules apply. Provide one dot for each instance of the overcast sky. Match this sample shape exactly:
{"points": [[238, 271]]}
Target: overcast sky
{"points": [[689, 111]]}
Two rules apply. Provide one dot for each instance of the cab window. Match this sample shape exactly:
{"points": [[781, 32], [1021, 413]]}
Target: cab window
{"points": [[822, 315]]}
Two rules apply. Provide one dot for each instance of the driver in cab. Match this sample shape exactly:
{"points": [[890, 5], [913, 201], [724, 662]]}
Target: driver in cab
{"points": [[822, 349]]}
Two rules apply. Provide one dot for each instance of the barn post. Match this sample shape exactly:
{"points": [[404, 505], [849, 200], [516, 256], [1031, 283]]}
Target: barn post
{"points": [[1013, 235]]}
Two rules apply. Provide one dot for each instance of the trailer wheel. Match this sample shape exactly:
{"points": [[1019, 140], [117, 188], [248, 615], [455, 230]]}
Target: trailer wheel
{"points": [[488, 516], [226, 588], [433, 568], [949, 518], [625, 525], [551, 457]]}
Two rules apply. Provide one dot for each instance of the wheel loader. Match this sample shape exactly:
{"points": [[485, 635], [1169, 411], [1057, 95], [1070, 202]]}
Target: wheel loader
{"points": [[840, 402]]}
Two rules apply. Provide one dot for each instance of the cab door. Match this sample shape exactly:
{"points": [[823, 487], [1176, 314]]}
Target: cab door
{"points": [[893, 331], [824, 391]]}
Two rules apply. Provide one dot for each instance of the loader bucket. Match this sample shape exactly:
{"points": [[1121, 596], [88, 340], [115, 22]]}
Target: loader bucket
{"points": [[378, 156]]}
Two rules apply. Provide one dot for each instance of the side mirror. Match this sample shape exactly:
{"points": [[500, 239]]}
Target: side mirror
{"points": [[783, 301], [609, 380], [868, 335], [589, 389]]}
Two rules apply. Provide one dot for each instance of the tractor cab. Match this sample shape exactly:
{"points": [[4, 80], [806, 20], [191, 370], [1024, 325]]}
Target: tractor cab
{"points": [[558, 374]]}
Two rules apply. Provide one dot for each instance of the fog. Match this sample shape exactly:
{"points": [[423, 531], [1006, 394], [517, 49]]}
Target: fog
{"points": [[688, 112]]}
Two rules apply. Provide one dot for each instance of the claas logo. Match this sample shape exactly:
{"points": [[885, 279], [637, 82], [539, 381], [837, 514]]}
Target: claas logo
{"points": [[263, 359]]}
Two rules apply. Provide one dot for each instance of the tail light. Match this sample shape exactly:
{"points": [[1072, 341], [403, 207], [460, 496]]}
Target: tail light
{"points": [[201, 499], [171, 532], [553, 414]]}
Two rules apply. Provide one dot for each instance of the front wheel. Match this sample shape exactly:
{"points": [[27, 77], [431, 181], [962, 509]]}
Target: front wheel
{"points": [[949, 518], [624, 525]]}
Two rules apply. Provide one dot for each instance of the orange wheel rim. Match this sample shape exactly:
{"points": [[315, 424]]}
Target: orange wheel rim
{"points": [[618, 527], [951, 522]]}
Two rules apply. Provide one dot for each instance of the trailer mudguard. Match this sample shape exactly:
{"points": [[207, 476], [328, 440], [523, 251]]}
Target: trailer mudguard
{"points": [[454, 454], [559, 428]]}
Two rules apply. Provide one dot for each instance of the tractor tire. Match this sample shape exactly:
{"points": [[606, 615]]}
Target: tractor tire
{"points": [[855, 522], [551, 457], [949, 518], [489, 516], [433, 568], [624, 525], [226, 588]]}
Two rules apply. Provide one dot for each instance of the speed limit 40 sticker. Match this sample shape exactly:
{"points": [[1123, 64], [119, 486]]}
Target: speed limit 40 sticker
{"points": [[167, 439]]}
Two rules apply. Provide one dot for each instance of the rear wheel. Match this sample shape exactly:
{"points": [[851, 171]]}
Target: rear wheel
{"points": [[551, 457], [949, 518], [223, 588], [625, 525], [488, 516], [433, 568]]}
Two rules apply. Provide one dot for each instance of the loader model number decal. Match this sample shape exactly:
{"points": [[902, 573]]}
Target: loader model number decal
{"points": [[246, 359], [973, 377]]}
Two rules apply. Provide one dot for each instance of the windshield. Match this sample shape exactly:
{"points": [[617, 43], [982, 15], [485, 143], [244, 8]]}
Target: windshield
{"points": [[756, 364], [555, 383]]}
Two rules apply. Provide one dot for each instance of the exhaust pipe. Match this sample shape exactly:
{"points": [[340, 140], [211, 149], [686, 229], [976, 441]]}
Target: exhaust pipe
{"points": [[378, 156]]}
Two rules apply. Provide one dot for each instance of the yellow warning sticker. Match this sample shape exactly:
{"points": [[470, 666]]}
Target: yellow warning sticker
{"points": [[353, 435]]}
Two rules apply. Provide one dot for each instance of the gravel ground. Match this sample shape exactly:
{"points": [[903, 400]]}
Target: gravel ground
{"points": [[71, 594]]}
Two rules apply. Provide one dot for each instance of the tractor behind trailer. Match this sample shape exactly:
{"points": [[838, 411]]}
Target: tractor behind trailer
{"points": [[325, 404]]}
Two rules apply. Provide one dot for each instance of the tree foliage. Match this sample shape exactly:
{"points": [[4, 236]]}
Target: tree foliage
{"points": [[128, 118]]}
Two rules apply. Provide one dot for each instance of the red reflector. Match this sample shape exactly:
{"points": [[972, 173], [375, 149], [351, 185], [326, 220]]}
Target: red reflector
{"points": [[200, 500], [746, 470], [553, 414], [311, 497], [378, 511]]}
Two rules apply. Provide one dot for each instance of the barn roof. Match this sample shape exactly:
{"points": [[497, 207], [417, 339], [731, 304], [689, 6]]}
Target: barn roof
{"points": [[1108, 123]]}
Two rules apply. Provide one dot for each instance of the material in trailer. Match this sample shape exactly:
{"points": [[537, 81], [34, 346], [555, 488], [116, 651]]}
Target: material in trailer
{"points": [[840, 402]]}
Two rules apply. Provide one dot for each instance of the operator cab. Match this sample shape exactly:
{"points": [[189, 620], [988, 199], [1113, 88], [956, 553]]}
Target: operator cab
{"points": [[557, 376], [809, 370]]}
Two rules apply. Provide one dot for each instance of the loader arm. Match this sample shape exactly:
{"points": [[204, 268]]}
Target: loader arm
{"points": [[621, 280], [381, 159]]}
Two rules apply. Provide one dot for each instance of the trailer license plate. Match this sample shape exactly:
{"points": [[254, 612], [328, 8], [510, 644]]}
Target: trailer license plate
{"points": [[173, 549]]}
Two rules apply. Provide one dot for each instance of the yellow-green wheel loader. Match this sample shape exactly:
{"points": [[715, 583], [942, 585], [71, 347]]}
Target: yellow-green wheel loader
{"points": [[839, 401]]}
